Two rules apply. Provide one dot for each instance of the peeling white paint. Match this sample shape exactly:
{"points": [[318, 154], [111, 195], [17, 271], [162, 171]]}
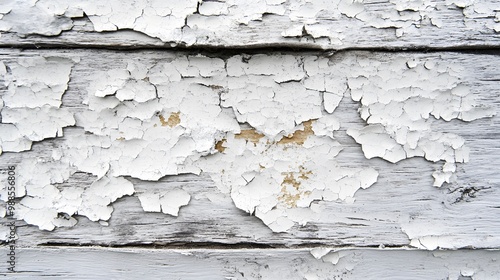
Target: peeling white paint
{"points": [[399, 98], [168, 202], [31, 104], [47, 203], [263, 99], [328, 255], [175, 119], [261, 126], [195, 21], [51, 19], [475, 11], [278, 180]]}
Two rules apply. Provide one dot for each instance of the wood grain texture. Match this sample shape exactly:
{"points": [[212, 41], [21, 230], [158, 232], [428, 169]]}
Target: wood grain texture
{"points": [[382, 24], [465, 213], [130, 263]]}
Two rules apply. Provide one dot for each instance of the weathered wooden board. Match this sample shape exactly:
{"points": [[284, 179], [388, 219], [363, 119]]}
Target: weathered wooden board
{"points": [[131, 263], [401, 206], [338, 24], [270, 139]]}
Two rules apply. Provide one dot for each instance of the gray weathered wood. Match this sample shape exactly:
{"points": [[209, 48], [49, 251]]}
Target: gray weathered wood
{"points": [[132, 263]]}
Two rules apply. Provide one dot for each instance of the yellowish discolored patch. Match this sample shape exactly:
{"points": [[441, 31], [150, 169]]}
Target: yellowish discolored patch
{"points": [[303, 173], [219, 146], [290, 187], [299, 136], [172, 121], [290, 180], [249, 135]]}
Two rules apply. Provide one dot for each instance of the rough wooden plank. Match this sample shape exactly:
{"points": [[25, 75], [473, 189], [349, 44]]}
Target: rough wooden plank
{"points": [[339, 24], [402, 205], [126, 263]]}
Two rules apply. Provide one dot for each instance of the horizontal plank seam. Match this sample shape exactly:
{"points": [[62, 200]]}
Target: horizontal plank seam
{"points": [[242, 245], [478, 49]]}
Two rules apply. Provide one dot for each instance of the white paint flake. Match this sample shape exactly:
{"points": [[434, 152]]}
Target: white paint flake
{"points": [[51, 18], [168, 202], [327, 255]]}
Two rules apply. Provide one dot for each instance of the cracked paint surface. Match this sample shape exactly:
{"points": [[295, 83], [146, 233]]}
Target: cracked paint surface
{"points": [[31, 100], [278, 181], [261, 126], [399, 104], [194, 22]]}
